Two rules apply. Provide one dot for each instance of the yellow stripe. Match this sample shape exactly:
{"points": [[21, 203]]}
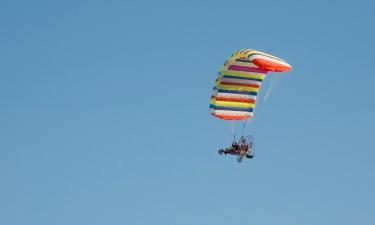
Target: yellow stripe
{"points": [[237, 88], [244, 74], [232, 104], [217, 81], [238, 54]]}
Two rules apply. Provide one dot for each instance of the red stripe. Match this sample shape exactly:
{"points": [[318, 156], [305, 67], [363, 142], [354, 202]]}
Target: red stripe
{"points": [[247, 69], [240, 84], [272, 66], [234, 99], [232, 117]]}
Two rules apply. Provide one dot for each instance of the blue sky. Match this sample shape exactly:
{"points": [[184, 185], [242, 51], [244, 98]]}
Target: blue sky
{"points": [[104, 113]]}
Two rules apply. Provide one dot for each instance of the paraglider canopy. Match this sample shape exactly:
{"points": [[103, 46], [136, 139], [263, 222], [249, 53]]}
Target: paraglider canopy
{"points": [[239, 81]]}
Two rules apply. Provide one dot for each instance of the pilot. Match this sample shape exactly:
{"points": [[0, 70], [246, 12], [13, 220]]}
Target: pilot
{"points": [[235, 145]]}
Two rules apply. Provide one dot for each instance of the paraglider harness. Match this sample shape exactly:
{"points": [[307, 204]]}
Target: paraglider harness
{"points": [[243, 147]]}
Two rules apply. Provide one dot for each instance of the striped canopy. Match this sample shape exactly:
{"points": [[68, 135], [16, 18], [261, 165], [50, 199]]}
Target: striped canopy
{"points": [[239, 81]]}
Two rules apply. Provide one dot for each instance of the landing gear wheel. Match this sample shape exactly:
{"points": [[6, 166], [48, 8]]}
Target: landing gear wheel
{"points": [[249, 156]]}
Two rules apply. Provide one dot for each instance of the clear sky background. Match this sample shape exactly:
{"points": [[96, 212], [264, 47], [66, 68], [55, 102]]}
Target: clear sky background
{"points": [[104, 113]]}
